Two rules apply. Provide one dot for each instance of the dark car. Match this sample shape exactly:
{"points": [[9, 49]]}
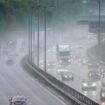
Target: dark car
{"points": [[67, 76], [51, 64]]}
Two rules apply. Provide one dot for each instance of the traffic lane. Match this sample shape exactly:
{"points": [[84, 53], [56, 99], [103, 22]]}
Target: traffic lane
{"points": [[14, 81], [80, 73], [77, 85]]}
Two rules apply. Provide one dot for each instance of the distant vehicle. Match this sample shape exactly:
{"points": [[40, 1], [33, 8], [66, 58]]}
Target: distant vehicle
{"points": [[83, 61], [93, 65], [94, 75], [102, 93], [12, 55], [18, 100], [51, 65], [80, 60], [88, 85], [67, 76], [79, 46], [102, 71], [41, 63], [21, 44], [63, 54], [51, 59], [59, 71], [11, 45]]}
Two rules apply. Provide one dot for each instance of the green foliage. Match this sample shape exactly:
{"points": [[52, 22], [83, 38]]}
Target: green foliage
{"points": [[17, 10]]}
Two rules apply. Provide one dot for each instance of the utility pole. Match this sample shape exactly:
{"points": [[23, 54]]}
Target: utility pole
{"points": [[30, 35], [99, 23], [45, 39], [38, 37]]}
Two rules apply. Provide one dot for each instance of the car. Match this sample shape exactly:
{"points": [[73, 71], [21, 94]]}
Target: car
{"points": [[59, 71], [51, 65], [94, 75], [88, 85], [102, 93], [80, 60], [79, 46], [41, 62], [18, 100], [92, 65], [84, 61], [102, 71], [67, 76]]}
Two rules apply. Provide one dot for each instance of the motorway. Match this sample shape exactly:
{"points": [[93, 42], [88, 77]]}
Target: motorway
{"points": [[15, 81], [85, 40]]}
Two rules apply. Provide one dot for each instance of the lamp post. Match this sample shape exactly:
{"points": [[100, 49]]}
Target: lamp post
{"points": [[43, 5], [38, 37], [99, 23], [44, 39], [30, 35]]}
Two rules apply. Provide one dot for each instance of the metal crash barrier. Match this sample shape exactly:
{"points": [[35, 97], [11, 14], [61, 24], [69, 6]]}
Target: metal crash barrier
{"points": [[76, 97]]}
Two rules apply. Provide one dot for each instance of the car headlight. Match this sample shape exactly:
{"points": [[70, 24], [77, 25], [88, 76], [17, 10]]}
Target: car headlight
{"points": [[94, 84], [84, 84], [103, 94], [69, 60], [65, 76], [70, 76], [74, 57], [84, 61]]}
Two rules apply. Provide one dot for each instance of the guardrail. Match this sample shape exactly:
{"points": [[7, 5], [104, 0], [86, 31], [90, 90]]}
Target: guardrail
{"points": [[75, 97]]}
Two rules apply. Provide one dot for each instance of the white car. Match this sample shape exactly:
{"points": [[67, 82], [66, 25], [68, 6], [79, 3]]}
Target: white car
{"points": [[88, 85], [94, 75], [59, 71], [18, 100]]}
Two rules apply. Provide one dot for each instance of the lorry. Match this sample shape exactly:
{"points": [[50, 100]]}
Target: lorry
{"points": [[63, 52]]}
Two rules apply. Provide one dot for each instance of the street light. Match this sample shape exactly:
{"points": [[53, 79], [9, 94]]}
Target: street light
{"points": [[30, 35], [99, 13], [43, 5], [38, 37], [45, 39]]}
